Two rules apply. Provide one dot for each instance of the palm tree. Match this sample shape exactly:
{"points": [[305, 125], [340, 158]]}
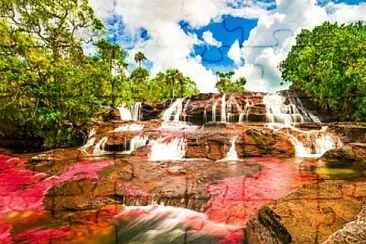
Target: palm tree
{"points": [[175, 77], [139, 57]]}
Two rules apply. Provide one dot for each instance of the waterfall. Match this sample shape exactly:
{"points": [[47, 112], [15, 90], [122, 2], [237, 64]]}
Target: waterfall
{"points": [[130, 146], [232, 155], [136, 111], [315, 144], [248, 105], [174, 109], [184, 114], [136, 142], [167, 224], [129, 127], [99, 148], [92, 133], [124, 112], [214, 107], [132, 113], [89, 143], [223, 108], [205, 116], [285, 111], [162, 149], [178, 112]]}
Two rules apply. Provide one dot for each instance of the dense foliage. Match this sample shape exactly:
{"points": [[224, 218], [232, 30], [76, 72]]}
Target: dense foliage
{"points": [[224, 83], [50, 89], [329, 64]]}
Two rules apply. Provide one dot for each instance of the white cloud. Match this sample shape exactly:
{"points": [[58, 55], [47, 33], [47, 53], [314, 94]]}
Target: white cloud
{"points": [[169, 46], [234, 53], [344, 13], [269, 42], [210, 40]]}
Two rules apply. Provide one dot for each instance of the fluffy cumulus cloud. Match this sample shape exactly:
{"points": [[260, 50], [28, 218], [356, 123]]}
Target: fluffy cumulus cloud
{"points": [[271, 40], [210, 40], [169, 46]]}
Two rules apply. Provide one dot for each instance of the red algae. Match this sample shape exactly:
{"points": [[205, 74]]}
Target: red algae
{"points": [[232, 201], [43, 236], [5, 232], [235, 200], [23, 190]]}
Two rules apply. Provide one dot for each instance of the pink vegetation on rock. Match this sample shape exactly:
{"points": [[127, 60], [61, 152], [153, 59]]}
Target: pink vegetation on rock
{"points": [[234, 200], [22, 189]]}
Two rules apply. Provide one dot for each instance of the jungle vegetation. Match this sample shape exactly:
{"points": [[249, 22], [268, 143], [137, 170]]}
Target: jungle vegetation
{"points": [[50, 88], [329, 64]]}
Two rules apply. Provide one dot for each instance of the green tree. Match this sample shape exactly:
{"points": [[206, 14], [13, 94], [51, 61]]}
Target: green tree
{"points": [[328, 63], [139, 75], [174, 79], [137, 80], [46, 74], [113, 57], [139, 58], [225, 84]]}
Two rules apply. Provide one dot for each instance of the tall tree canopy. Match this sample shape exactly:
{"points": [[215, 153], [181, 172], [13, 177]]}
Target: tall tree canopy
{"points": [[139, 58], [46, 75], [50, 89], [225, 84], [112, 57], [329, 64]]}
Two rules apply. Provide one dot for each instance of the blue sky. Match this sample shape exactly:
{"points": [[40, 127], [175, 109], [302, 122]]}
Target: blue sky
{"points": [[202, 37]]}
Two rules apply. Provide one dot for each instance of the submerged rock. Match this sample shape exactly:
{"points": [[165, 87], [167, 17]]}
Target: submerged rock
{"points": [[267, 228]]}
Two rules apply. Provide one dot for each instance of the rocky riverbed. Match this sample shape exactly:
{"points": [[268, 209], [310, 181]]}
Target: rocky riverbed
{"points": [[231, 168]]}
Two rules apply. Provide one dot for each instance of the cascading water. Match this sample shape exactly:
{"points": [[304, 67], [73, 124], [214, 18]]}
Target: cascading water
{"points": [[280, 112], [124, 112], [232, 155], [315, 143], [162, 149], [284, 112], [175, 109], [137, 142], [184, 113], [167, 224], [136, 111], [205, 116], [172, 117], [245, 113], [129, 127], [99, 148], [130, 146], [214, 107], [223, 108], [133, 113], [89, 143]]}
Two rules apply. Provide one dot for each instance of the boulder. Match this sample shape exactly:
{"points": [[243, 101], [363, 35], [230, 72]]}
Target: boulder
{"points": [[54, 160], [352, 232], [251, 141], [310, 215], [112, 114], [349, 153]]}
